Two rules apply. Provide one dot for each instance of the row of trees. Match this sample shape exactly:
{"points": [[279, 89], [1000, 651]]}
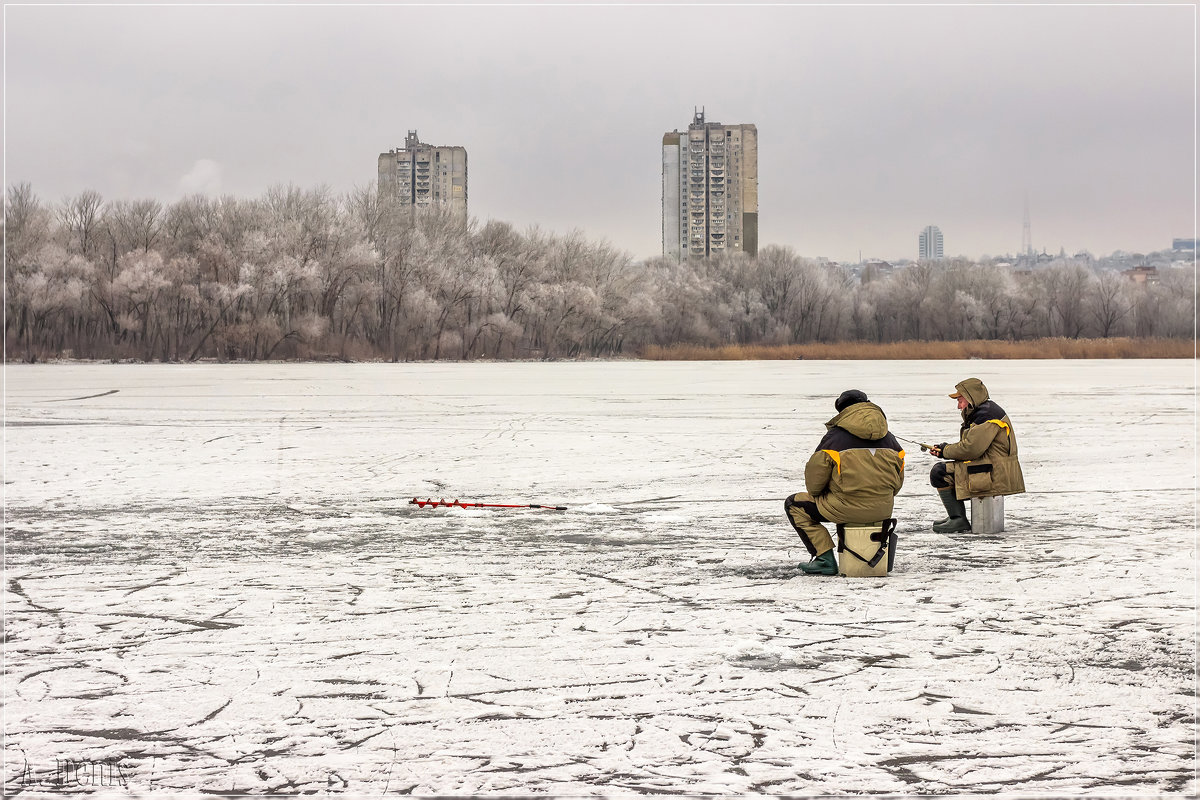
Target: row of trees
{"points": [[307, 274]]}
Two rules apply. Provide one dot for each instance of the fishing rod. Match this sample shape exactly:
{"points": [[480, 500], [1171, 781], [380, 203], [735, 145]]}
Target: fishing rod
{"points": [[924, 447], [459, 504]]}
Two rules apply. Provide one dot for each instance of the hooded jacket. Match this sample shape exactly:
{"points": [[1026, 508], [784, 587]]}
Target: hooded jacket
{"points": [[858, 468], [984, 459]]}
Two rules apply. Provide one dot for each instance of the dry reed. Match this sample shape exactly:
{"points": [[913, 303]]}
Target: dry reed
{"points": [[925, 351]]}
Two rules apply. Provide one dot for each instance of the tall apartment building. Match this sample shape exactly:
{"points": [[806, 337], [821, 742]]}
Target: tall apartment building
{"points": [[423, 175], [710, 189], [930, 243]]}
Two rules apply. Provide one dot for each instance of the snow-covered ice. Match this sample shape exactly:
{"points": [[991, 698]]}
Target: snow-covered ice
{"points": [[215, 581]]}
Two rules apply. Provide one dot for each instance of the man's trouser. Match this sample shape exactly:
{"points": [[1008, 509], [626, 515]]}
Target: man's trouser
{"points": [[806, 518], [940, 477]]}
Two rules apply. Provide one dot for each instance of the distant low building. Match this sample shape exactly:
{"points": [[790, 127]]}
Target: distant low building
{"points": [[1183, 244], [424, 175], [874, 269], [1142, 274]]}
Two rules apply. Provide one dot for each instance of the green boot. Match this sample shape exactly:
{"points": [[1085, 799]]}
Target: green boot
{"points": [[824, 564], [956, 521]]}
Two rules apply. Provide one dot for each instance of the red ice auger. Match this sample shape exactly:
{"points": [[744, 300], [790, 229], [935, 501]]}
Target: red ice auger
{"points": [[459, 504]]}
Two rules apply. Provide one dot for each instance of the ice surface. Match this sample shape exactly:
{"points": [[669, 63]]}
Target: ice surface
{"points": [[214, 580]]}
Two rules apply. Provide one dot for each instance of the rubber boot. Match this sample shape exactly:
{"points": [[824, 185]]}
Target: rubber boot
{"points": [[824, 564], [957, 521]]}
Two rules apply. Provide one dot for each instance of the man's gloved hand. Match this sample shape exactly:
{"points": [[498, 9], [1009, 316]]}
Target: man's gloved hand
{"points": [[936, 450]]}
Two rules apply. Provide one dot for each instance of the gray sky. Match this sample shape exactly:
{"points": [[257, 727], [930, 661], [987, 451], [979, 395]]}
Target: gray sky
{"points": [[873, 121]]}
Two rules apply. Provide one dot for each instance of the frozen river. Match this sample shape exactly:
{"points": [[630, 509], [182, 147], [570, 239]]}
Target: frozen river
{"points": [[214, 582]]}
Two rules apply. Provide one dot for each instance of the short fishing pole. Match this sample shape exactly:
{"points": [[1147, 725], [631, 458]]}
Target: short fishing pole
{"points": [[924, 447]]}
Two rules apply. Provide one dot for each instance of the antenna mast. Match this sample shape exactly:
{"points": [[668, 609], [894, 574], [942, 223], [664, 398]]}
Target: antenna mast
{"points": [[1026, 236]]}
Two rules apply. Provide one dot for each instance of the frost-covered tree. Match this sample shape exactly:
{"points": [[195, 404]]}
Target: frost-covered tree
{"points": [[135, 224], [301, 273], [48, 295], [1063, 289], [1109, 302], [27, 223], [82, 217]]}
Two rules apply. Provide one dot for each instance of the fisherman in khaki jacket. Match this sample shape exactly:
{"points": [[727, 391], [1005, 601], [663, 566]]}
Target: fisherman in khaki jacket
{"points": [[982, 463], [853, 476]]}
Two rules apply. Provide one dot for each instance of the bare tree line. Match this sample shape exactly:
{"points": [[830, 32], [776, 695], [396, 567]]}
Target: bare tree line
{"points": [[310, 275]]}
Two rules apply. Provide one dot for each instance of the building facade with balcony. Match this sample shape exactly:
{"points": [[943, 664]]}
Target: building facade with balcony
{"points": [[710, 189], [424, 175], [929, 244]]}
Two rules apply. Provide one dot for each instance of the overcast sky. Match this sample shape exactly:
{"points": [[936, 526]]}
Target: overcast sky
{"points": [[873, 121]]}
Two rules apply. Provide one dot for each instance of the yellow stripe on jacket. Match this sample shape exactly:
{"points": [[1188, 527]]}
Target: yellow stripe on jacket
{"points": [[837, 458]]}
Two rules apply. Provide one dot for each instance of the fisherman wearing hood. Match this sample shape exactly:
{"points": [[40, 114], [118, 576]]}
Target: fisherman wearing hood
{"points": [[854, 475], [982, 463]]}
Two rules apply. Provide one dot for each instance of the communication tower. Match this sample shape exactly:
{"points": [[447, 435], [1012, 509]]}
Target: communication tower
{"points": [[1026, 236]]}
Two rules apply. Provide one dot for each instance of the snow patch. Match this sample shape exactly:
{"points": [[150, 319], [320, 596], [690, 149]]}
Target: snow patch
{"points": [[594, 508]]}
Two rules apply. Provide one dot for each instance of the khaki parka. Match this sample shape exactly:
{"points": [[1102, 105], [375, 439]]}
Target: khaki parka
{"points": [[984, 459], [858, 468]]}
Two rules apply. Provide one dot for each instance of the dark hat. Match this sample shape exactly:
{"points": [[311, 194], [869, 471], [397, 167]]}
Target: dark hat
{"points": [[849, 398]]}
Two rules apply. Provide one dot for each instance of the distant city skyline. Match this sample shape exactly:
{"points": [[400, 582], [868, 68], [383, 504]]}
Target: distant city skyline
{"points": [[1088, 111]]}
